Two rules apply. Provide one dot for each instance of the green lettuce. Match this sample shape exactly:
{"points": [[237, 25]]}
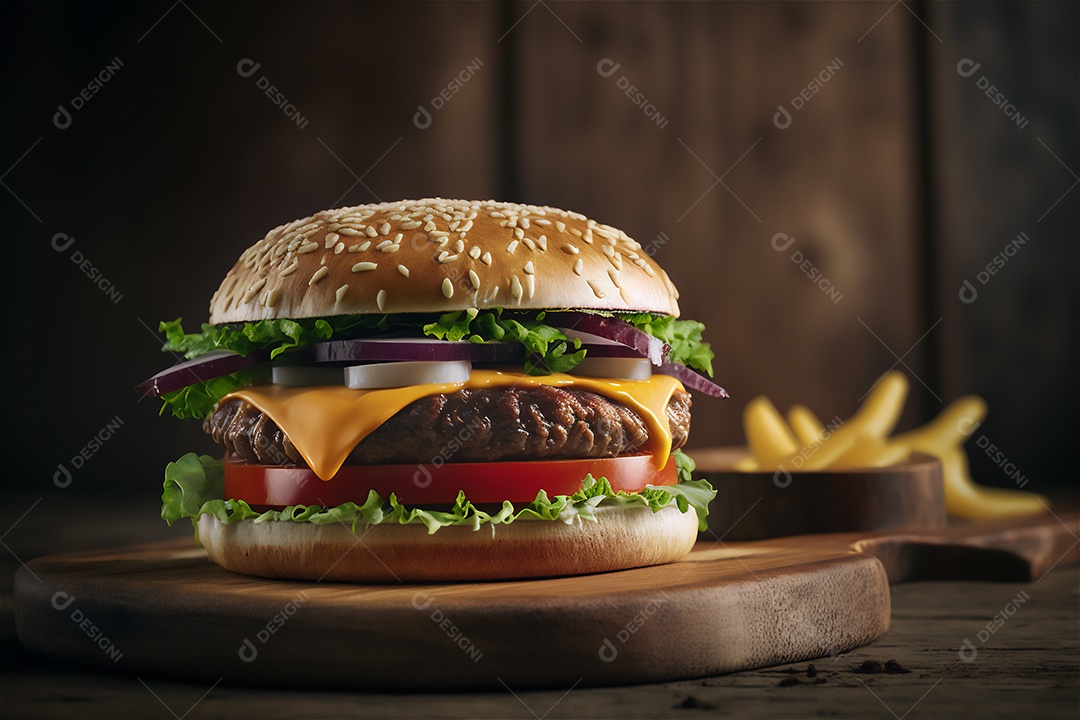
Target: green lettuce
{"points": [[684, 337], [194, 486], [198, 400], [548, 349]]}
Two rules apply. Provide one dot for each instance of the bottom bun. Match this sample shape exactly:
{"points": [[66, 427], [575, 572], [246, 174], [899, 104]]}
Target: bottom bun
{"points": [[621, 538]]}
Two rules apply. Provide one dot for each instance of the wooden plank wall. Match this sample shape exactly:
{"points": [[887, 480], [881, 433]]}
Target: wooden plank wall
{"points": [[893, 180], [835, 188], [1002, 168]]}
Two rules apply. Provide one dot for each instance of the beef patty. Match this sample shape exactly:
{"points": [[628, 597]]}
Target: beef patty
{"points": [[536, 423]]}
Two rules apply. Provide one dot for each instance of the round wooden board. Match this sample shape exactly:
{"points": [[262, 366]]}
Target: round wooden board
{"points": [[164, 609]]}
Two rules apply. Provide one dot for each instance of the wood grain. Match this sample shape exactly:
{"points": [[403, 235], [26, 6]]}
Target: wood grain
{"points": [[725, 607], [995, 177], [839, 180]]}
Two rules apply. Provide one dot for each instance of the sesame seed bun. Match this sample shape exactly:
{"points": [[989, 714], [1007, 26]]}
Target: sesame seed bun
{"points": [[622, 538], [438, 255]]}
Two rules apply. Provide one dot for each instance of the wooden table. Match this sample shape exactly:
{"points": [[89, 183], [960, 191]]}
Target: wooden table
{"points": [[1029, 667]]}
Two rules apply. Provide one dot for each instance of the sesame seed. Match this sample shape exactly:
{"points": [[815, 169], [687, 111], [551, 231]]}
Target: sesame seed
{"points": [[542, 221], [515, 287], [403, 270], [319, 275], [472, 312], [447, 288], [560, 226], [608, 250], [429, 226], [525, 223], [529, 268], [467, 226], [460, 245], [614, 275], [354, 248], [348, 231], [380, 299], [519, 233], [575, 231], [384, 229], [474, 279], [339, 247], [398, 238], [572, 249], [595, 288], [486, 258], [512, 247], [272, 297], [530, 285], [542, 242], [383, 244], [331, 239], [529, 243], [438, 233], [291, 268], [579, 266], [307, 247], [370, 231], [497, 214], [491, 295], [411, 225], [363, 266], [453, 225], [340, 294], [365, 245], [254, 289], [474, 252], [392, 247]]}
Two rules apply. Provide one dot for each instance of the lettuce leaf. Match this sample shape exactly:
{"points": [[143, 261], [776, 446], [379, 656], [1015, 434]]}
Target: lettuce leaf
{"points": [[684, 337], [548, 349], [198, 400], [194, 486]]}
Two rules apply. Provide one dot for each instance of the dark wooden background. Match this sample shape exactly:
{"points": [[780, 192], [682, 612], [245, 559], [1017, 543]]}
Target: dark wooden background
{"points": [[897, 180]]}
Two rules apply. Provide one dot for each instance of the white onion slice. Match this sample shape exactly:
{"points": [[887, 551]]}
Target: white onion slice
{"points": [[403, 374], [614, 367], [306, 375]]}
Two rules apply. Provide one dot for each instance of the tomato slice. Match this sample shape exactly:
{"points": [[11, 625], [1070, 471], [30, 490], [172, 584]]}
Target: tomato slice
{"points": [[494, 482]]}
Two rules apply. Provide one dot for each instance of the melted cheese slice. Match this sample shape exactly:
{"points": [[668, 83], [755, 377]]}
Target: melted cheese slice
{"points": [[326, 423]]}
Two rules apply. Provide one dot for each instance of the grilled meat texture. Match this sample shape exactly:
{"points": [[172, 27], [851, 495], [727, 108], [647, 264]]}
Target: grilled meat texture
{"points": [[486, 425]]}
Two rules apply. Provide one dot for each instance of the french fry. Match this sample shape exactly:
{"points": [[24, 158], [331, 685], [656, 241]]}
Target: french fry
{"points": [[771, 440], [872, 452], [965, 499], [863, 442], [746, 463], [827, 451], [805, 423], [950, 428], [884, 403]]}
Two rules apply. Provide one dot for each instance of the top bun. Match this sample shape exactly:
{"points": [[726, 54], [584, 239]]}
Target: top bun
{"points": [[438, 255]]}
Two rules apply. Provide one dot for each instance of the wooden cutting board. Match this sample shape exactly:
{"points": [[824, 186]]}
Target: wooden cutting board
{"points": [[163, 609]]}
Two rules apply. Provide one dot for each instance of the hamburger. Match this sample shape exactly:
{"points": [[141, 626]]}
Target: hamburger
{"points": [[439, 390]]}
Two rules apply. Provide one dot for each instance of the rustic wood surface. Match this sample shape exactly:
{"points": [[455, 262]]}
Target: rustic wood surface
{"points": [[728, 606], [1028, 667], [755, 505]]}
